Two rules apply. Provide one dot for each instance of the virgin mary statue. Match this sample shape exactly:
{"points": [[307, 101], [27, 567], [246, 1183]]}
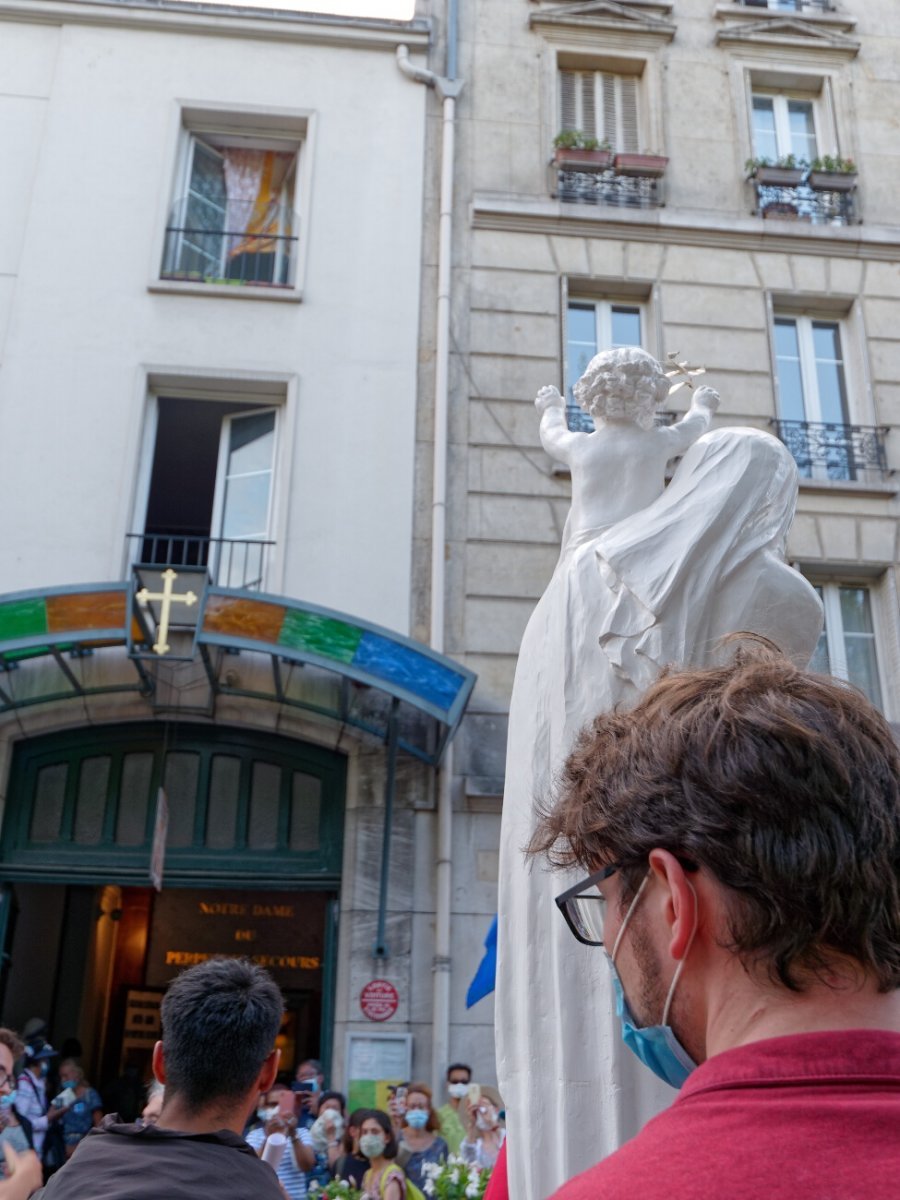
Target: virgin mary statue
{"points": [[648, 575]]}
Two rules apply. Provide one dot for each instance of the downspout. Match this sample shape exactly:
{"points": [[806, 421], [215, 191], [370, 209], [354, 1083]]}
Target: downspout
{"points": [[448, 89]]}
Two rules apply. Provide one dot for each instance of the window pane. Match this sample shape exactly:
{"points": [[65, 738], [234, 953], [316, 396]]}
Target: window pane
{"points": [[792, 401], [581, 336], [246, 506], [90, 805], [306, 805], [626, 326], [49, 797], [830, 372], [249, 476], [803, 129], [180, 782], [820, 660], [131, 822], [252, 439], [856, 611], [264, 804], [764, 141], [221, 810]]}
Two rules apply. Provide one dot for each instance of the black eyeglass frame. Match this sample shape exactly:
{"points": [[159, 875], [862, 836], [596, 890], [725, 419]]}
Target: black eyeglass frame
{"points": [[578, 890]]}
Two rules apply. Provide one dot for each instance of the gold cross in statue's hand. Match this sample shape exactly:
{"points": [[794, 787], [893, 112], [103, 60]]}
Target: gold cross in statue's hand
{"points": [[681, 368], [166, 596]]}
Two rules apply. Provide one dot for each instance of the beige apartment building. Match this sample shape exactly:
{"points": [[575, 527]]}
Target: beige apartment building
{"points": [[779, 275]]}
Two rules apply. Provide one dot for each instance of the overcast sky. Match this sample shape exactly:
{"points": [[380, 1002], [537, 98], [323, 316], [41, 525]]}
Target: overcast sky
{"points": [[401, 10]]}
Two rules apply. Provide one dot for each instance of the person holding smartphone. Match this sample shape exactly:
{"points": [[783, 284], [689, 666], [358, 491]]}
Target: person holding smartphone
{"points": [[485, 1133], [308, 1084], [275, 1114]]}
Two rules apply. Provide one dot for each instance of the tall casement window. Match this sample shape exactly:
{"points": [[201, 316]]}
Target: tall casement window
{"points": [[232, 220], [601, 105], [209, 476], [813, 397], [592, 326], [847, 646], [784, 125]]}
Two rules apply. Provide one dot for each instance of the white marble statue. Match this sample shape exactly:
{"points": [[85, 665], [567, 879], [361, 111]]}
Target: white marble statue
{"points": [[648, 575]]}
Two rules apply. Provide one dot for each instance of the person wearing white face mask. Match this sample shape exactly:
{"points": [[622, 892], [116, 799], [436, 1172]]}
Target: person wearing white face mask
{"points": [[274, 1116], [419, 1143], [485, 1133], [453, 1131]]}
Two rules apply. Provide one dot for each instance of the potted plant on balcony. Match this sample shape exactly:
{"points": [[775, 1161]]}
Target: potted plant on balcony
{"points": [[787, 171], [647, 166], [827, 174], [575, 151]]}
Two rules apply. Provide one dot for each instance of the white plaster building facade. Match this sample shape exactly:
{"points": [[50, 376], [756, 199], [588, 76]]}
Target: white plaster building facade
{"points": [[210, 270]]}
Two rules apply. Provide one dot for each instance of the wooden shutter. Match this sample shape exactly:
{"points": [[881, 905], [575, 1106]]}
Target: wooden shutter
{"points": [[628, 139], [577, 106], [589, 126], [601, 105], [568, 107], [607, 89]]}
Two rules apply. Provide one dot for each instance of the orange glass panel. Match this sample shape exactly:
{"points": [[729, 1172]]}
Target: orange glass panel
{"points": [[254, 619], [86, 610]]}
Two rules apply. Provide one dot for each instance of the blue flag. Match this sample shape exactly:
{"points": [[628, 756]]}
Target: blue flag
{"points": [[486, 976]]}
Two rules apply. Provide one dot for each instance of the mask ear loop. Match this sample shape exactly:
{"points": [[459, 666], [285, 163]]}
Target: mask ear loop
{"points": [[680, 967], [631, 907]]}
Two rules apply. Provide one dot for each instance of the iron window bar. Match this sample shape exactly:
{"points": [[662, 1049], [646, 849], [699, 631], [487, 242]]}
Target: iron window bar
{"points": [[609, 188], [828, 450], [213, 244], [231, 562], [797, 6], [804, 203]]}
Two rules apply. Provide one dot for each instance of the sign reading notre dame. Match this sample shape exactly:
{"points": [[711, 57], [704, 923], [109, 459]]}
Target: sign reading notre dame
{"points": [[281, 931]]}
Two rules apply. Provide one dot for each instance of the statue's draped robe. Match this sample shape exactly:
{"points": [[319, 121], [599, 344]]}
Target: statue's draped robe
{"points": [[661, 586]]}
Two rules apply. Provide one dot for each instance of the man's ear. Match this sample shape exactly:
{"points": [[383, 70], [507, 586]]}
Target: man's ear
{"points": [[680, 901], [159, 1063], [269, 1070]]}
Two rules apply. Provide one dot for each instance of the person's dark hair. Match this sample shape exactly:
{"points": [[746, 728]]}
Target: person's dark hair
{"points": [[311, 1062], [460, 1067], [339, 1096], [433, 1124], [354, 1121], [219, 1023], [784, 784], [12, 1042], [390, 1141]]}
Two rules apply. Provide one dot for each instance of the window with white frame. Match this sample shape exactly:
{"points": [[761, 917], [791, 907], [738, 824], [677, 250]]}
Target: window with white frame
{"points": [[813, 397], [783, 126], [232, 219], [601, 105], [847, 645], [595, 325]]}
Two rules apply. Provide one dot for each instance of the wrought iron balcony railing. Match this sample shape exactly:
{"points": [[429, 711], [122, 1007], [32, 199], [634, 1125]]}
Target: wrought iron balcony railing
{"points": [[804, 203], [581, 422], [609, 187], [826, 450], [232, 243], [231, 562], [790, 5]]}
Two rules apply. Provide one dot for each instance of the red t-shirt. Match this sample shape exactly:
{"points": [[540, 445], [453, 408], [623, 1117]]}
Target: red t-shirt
{"points": [[815, 1116]]}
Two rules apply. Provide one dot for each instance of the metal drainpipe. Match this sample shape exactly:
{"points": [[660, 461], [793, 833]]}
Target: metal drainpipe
{"points": [[448, 89]]}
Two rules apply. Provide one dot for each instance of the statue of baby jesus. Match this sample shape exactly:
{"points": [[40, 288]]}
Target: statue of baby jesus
{"points": [[619, 468]]}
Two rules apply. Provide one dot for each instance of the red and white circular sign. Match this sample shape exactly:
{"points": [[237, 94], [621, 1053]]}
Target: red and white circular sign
{"points": [[379, 1000]]}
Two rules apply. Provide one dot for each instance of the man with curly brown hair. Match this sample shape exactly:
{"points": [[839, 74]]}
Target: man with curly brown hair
{"points": [[740, 827]]}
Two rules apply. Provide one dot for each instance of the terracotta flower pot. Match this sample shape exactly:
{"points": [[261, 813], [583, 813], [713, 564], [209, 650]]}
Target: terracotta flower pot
{"points": [[778, 176], [832, 181], [651, 166], [582, 160]]}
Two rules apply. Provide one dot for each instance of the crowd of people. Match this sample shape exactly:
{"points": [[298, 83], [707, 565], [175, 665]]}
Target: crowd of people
{"points": [[295, 1124]]}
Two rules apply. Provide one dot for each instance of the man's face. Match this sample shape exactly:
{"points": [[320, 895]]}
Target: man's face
{"points": [[306, 1072], [7, 1080], [67, 1074]]}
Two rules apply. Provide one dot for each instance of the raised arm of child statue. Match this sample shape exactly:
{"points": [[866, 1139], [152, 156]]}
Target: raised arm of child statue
{"points": [[619, 468]]}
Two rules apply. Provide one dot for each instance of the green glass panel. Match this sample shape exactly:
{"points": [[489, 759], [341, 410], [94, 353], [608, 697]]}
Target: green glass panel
{"points": [[319, 635], [22, 618]]}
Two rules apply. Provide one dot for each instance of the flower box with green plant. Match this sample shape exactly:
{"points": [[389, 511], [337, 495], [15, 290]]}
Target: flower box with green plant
{"points": [[575, 151], [455, 1179], [645, 166], [337, 1189], [832, 174], [787, 171]]}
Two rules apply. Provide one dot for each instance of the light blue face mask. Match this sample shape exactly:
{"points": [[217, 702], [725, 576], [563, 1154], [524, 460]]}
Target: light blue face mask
{"points": [[8, 1100], [417, 1118], [655, 1045]]}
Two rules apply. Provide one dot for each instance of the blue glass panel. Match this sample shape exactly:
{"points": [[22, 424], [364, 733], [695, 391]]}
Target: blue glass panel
{"points": [[407, 668], [764, 141], [626, 326]]}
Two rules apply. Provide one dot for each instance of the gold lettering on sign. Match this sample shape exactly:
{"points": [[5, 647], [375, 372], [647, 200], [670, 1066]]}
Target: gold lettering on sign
{"points": [[221, 909], [245, 935], [273, 910], [293, 962]]}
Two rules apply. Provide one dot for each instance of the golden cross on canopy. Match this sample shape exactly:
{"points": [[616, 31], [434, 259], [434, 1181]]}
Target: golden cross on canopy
{"points": [[677, 368], [166, 596]]}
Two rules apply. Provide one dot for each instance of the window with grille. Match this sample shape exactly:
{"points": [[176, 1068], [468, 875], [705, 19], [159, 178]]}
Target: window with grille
{"points": [[601, 105]]}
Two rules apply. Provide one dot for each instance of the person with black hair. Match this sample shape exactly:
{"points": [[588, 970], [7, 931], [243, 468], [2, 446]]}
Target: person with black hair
{"points": [[384, 1180], [451, 1114], [217, 1054], [351, 1165]]}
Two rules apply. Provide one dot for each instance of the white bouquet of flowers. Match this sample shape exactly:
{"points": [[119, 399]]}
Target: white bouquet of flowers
{"points": [[455, 1180], [338, 1189]]}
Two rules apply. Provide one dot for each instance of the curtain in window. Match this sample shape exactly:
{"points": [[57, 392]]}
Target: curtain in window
{"points": [[253, 182]]}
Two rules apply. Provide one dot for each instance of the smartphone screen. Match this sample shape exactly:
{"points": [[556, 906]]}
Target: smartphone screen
{"points": [[286, 1104], [474, 1093]]}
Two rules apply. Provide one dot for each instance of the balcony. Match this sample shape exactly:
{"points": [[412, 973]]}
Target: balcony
{"points": [[802, 202], [232, 244], [841, 453], [599, 177], [230, 562]]}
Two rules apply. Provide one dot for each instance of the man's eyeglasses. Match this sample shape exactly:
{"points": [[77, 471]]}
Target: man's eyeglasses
{"points": [[585, 908]]}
